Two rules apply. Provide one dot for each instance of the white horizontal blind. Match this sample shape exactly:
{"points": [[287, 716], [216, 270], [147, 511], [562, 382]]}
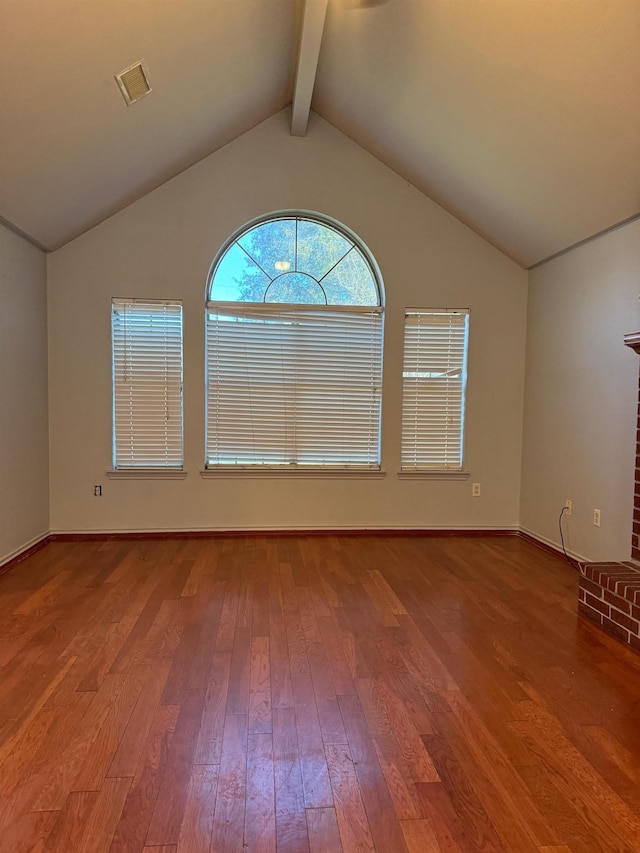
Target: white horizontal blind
{"points": [[147, 384], [433, 389], [293, 386]]}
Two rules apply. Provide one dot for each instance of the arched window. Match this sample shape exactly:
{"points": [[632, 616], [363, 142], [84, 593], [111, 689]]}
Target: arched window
{"points": [[294, 348]]}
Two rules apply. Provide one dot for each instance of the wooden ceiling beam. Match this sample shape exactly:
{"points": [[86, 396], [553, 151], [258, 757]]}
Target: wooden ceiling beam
{"points": [[309, 50]]}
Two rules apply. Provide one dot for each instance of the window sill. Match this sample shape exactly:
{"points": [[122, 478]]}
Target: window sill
{"points": [[444, 474], [147, 474], [277, 474]]}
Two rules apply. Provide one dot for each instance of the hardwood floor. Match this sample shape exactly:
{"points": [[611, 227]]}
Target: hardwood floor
{"points": [[311, 695]]}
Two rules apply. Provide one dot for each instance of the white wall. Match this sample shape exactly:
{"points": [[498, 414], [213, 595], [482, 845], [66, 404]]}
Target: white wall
{"points": [[162, 247], [581, 395], [24, 456]]}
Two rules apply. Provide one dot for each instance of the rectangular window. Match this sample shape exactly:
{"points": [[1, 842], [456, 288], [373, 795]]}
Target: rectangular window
{"points": [[293, 387], [433, 389], [147, 384]]}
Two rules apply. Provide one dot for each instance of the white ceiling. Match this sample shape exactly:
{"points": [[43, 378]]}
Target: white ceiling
{"points": [[520, 117]]}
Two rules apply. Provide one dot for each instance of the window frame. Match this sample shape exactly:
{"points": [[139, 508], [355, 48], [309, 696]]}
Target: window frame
{"points": [[295, 466]]}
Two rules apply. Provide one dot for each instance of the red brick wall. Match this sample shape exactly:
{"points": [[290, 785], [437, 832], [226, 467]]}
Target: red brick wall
{"points": [[609, 594], [635, 536]]}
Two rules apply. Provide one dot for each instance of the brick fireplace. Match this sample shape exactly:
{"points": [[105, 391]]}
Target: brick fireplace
{"points": [[609, 593], [633, 341]]}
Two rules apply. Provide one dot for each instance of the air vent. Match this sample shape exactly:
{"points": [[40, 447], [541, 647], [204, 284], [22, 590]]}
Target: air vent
{"points": [[134, 82]]}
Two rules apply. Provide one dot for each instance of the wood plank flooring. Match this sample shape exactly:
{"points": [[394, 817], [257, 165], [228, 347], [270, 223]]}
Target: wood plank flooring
{"points": [[311, 694]]}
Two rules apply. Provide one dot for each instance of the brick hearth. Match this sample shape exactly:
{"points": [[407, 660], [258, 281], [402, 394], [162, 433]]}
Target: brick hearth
{"points": [[609, 593]]}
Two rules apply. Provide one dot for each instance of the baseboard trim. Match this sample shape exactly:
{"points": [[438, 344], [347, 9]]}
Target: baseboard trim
{"points": [[124, 535], [79, 536], [26, 551], [551, 547]]}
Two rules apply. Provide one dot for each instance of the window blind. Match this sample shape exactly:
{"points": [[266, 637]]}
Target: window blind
{"points": [[147, 384], [293, 386], [433, 389]]}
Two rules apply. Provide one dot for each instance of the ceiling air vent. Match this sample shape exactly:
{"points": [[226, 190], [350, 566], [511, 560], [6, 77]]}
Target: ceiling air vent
{"points": [[134, 82]]}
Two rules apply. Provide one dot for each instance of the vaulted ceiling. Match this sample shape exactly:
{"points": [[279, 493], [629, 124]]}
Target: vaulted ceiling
{"points": [[520, 117]]}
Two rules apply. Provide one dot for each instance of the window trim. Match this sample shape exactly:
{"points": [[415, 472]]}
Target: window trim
{"points": [[293, 468], [146, 473], [433, 474], [266, 473]]}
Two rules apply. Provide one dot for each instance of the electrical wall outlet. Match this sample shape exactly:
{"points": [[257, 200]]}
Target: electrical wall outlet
{"points": [[596, 517], [568, 505], [97, 491], [475, 490]]}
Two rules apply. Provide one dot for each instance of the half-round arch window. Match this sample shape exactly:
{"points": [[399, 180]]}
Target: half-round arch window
{"points": [[294, 348], [295, 259]]}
